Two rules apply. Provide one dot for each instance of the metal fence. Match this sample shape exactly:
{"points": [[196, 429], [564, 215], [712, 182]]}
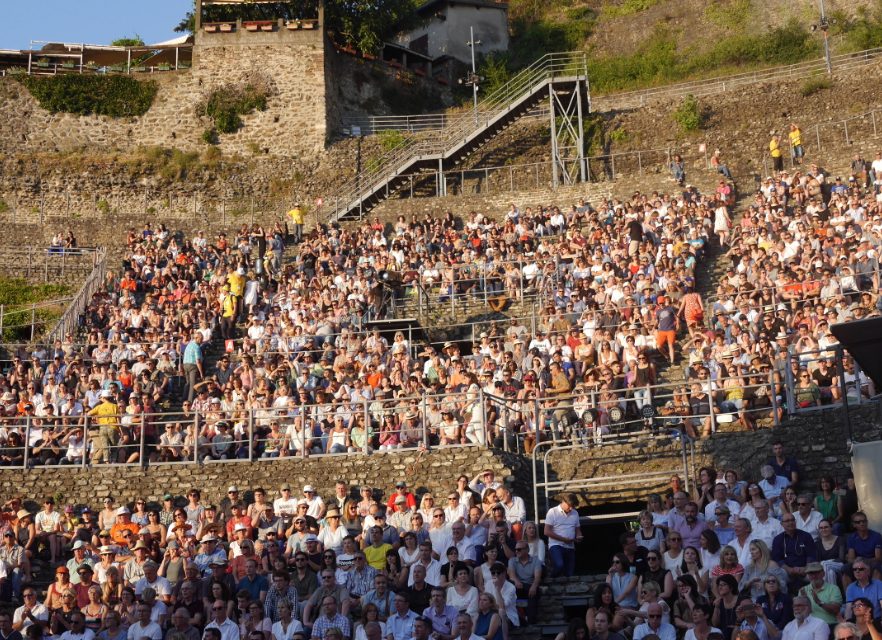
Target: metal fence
{"points": [[47, 264], [850, 132], [70, 319]]}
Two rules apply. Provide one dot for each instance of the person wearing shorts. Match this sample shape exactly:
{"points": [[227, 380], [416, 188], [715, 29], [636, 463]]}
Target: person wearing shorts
{"points": [[666, 327]]}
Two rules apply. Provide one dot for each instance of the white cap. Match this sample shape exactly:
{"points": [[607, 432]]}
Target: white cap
{"points": [[123, 511]]}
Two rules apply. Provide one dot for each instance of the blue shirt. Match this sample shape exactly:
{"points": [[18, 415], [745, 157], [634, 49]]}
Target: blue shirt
{"points": [[872, 592], [193, 353], [865, 548], [253, 587]]}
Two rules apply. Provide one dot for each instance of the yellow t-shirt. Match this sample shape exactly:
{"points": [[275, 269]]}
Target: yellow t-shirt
{"points": [[296, 215], [105, 414], [775, 148], [237, 284], [795, 137], [376, 556]]}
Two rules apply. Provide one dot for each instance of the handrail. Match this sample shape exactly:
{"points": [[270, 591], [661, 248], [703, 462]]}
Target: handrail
{"points": [[462, 126], [70, 319]]}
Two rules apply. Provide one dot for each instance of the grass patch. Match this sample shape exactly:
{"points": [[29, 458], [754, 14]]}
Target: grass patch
{"points": [[628, 8], [17, 292], [815, 85], [730, 14], [113, 96]]}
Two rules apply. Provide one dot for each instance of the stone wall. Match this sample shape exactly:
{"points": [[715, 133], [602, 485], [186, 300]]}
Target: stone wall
{"points": [[434, 471], [292, 125], [819, 442]]}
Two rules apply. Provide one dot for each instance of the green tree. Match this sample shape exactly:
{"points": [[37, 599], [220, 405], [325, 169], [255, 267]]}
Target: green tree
{"points": [[363, 24], [136, 41]]}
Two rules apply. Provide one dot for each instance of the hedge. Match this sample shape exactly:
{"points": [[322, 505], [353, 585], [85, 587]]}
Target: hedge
{"points": [[114, 96]]}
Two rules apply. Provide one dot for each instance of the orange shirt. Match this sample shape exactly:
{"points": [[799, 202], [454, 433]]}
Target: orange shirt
{"points": [[116, 532]]}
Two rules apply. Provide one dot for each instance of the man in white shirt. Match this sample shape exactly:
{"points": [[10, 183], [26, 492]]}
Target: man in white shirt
{"points": [[720, 500], [432, 566], [563, 530], [31, 612], [153, 580], [515, 510], [805, 626], [285, 506], [765, 528], [229, 630], [464, 627], [316, 506], [655, 626], [741, 542], [144, 628], [807, 518], [772, 485]]}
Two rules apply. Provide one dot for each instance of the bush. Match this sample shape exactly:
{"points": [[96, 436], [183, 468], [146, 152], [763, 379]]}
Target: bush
{"points": [[113, 96], [814, 85], [226, 105], [103, 207], [688, 114], [391, 139], [16, 292], [209, 136], [3, 206]]}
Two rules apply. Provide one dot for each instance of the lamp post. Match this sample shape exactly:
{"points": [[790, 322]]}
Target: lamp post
{"points": [[824, 26], [473, 79]]}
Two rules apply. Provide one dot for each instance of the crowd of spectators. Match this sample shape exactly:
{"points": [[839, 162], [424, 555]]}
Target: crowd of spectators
{"points": [[743, 559], [277, 566], [298, 373]]}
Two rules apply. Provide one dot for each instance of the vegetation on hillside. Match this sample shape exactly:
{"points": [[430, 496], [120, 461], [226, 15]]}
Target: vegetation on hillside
{"points": [[16, 293], [105, 95], [722, 37]]}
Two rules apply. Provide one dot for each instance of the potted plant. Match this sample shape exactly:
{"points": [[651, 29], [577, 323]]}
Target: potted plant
{"points": [[42, 62], [164, 66]]}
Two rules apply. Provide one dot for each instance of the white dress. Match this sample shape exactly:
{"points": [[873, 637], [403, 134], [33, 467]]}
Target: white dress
{"points": [[468, 602]]}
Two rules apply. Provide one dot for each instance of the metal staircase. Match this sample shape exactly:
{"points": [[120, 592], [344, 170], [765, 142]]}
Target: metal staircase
{"points": [[559, 78]]}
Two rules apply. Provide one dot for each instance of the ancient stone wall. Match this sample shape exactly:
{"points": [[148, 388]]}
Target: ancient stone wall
{"points": [[294, 123], [433, 471]]}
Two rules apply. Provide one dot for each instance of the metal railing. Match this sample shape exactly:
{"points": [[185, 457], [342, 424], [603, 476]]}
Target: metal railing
{"points": [[851, 131], [16, 318], [849, 383], [373, 125], [47, 264], [462, 127], [371, 427], [70, 319]]}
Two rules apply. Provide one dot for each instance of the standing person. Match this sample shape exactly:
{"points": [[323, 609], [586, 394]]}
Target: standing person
{"points": [[692, 309], [296, 217], [796, 150], [667, 324], [192, 362], [775, 152], [563, 530]]}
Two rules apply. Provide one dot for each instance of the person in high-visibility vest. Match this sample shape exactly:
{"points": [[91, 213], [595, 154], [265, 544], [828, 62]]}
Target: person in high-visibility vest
{"points": [[775, 152], [296, 217], [796, 149]]}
